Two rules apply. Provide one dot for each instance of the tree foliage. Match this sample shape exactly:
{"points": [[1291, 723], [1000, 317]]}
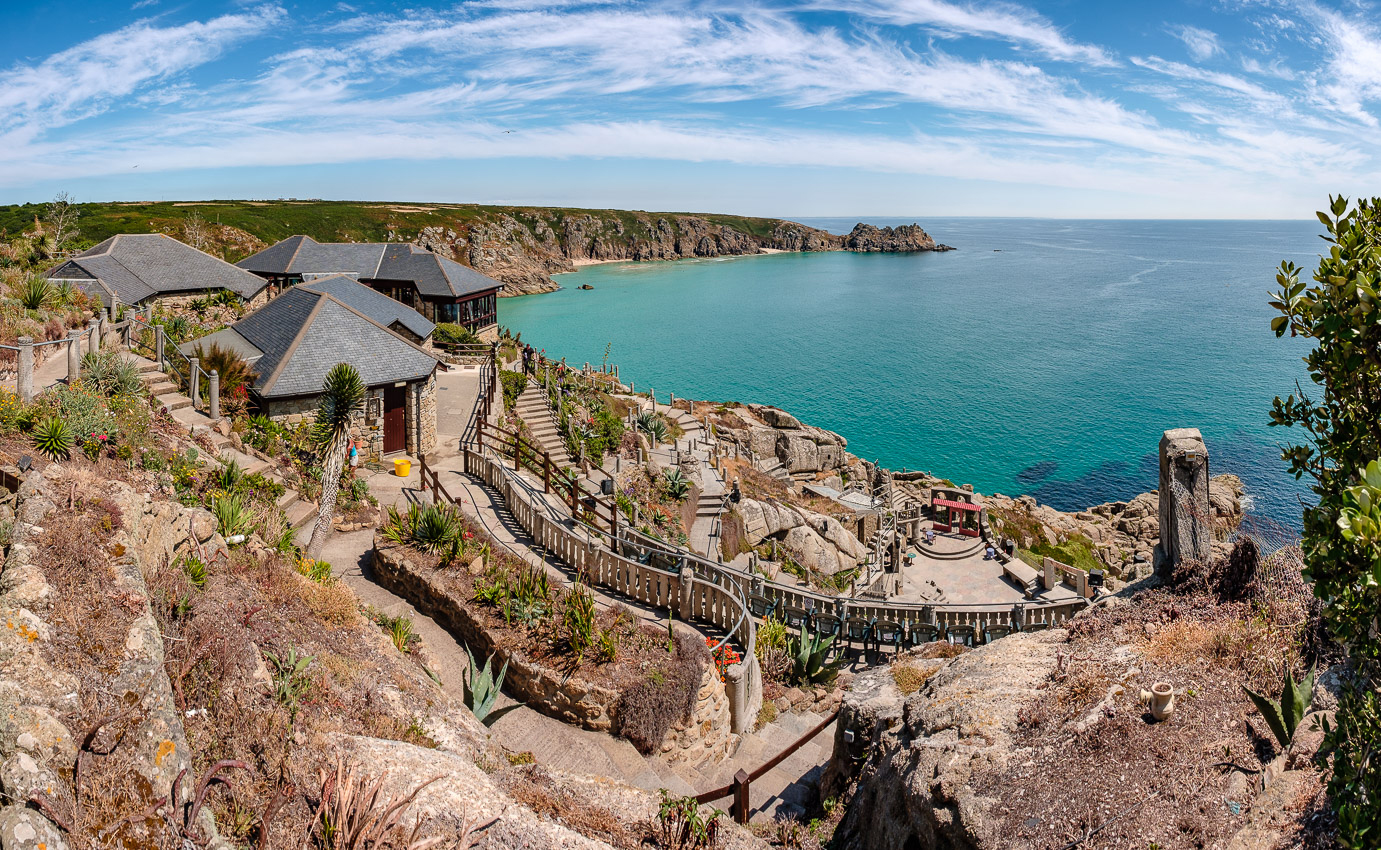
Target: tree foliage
{"points": [[342, 396], [1341, 312]]}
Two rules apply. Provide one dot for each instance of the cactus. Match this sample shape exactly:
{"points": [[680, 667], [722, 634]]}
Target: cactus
{"points": [[1283, 715], [482, 689]]}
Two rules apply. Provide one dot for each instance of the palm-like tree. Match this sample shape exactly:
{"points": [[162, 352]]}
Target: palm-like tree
{"points": [[342, 394]]}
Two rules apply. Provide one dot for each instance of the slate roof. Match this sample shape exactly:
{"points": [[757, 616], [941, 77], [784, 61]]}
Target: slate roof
{"points": [[372, 303], [303, 333], [136, 266], [433, 275]]}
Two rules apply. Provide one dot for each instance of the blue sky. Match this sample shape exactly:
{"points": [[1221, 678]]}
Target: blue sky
{"points": [[1206, 109]]}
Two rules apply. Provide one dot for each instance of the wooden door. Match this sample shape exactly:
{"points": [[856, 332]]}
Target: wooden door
{"points": [[395, 420]]}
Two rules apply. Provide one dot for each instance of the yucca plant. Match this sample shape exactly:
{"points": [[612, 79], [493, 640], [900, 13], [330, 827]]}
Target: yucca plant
{"points": [[1283, 715], [579, 620], [676, 483], [342, 396], [808, 664], [195, 569], [482, 688], [400, 631], [53, 438], [34, 292], [232, 514], [434, 529]]}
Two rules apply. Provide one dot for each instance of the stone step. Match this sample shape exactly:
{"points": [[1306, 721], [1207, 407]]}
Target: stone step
{"points": [[162, 387], [301, 514], [289, 498], [174, 401]]}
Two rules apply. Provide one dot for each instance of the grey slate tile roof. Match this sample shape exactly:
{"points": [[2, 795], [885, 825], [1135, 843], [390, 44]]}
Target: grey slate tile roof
{"points": [[372, 303], [227, 338], [136, 266], [434, 276], [303, 333]]}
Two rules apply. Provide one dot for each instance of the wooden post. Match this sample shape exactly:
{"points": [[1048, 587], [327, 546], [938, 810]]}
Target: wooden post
{"points": [[194, 373], [479, 430], [95, 325], [740, 806], [546, 472], [158, 343]]}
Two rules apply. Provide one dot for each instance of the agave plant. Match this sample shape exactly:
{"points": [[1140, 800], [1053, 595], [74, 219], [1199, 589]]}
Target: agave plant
{"points": [[53, 438], [481, 688], [808, 664], [676, 483], [1283, 715], [111, 374], [653, 426]]}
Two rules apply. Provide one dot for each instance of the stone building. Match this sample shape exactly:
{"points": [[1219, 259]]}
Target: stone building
{"points": [[437, 287], [146, 268], [294, 340]]}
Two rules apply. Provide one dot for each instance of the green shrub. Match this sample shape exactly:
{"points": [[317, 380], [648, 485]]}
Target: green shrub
{"points": [[453, 334], [110, 374], [513, 384], [232, 514], [289, 677], [578, 618]]}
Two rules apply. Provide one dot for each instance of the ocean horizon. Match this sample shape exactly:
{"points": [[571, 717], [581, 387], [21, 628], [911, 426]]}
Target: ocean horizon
{"points": [[1041, 357]]}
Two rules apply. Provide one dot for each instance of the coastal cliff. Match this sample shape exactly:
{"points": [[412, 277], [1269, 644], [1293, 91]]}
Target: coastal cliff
{"points": [[525, 249]]}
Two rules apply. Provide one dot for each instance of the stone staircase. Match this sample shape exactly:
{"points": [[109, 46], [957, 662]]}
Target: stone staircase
{"points": [[533, 409], [299, 511]]}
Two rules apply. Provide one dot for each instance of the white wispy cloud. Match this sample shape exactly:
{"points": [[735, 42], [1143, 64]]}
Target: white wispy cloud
{"points": [[685, 80], [1005, 21], [1202, 44], [92, 77]]}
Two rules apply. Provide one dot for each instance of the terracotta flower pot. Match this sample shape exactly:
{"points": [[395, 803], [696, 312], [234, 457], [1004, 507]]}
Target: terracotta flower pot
{"points": [[1160, 700]]}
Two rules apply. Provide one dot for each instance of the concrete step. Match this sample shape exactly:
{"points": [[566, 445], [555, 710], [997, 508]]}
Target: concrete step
{"points": [[289, 498], [174, 401], [162, 387]]}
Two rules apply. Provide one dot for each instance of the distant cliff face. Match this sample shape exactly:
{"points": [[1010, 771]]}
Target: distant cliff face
{"points": [[524, 249]]}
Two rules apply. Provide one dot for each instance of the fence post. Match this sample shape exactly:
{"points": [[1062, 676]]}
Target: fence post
{"points": [[24, 382], [736, 689], [546, 472], [95, 326], [740, 804], [194, 378], [74, 355], [215, 402], [158, 348]]}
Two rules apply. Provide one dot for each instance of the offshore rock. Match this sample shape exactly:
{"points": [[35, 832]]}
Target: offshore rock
{"points": [[891, 240]]}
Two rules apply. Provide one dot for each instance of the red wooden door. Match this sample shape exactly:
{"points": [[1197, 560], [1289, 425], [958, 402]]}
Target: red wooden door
{"points": [[395, 433]]}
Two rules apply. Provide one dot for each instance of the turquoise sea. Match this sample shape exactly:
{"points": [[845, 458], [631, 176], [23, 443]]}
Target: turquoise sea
{"points": [[1042, 356]]}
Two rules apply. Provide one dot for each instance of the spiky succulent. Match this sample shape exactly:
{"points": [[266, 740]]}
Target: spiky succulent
{"points": [[53, 438]]}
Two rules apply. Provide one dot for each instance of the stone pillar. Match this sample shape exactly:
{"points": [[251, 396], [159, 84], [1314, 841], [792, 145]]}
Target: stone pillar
{"points": [[158, 342], [95, 327], [683, 592], [736, 689], [74, 355], [194, 378], [215, 401], [105, 325], [1185, 514], [24, 383]]}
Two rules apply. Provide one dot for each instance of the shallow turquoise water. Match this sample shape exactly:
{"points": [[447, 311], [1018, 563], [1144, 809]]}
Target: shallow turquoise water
{"points": [[1041, 357]]}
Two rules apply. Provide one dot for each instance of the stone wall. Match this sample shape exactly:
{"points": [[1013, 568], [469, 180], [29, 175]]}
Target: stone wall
{"points": [[567, 698], [367, 428]]}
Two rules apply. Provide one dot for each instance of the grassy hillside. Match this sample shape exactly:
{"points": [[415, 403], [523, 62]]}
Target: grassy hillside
{"points": [[342, 221]]}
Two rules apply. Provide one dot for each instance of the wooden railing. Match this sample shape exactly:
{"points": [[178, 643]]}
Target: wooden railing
{"points": [[739, 789]]}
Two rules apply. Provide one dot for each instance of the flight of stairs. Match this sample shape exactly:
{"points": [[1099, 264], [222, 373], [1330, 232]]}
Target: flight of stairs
{"points": [[532, 409], [299, 511]]}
